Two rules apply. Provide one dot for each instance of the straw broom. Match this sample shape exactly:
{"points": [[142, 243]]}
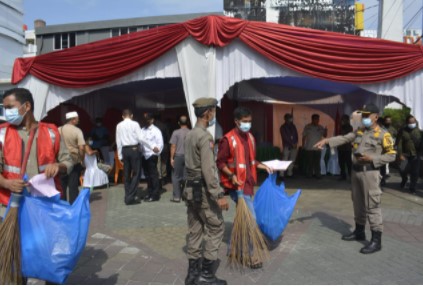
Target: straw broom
{"points": [[10, 245], [247, 242]]}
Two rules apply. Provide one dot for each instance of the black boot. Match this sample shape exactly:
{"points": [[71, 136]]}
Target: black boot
{"points": [[375, 244], [207, 276], [357, 234], [193, 271]]}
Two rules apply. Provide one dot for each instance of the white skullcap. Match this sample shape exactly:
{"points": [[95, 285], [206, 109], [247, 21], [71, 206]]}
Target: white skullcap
{"points": [[71, 114]]}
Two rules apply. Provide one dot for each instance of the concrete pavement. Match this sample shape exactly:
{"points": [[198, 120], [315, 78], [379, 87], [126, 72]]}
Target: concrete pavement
{"points": [[145, 244]]}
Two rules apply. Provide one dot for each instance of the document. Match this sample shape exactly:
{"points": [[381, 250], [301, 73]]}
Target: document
{"points": [[40, 186], [278, 164]]}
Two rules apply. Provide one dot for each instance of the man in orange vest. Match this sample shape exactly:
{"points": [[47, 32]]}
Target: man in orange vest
{"points": [[47, 155], [236, 161]]}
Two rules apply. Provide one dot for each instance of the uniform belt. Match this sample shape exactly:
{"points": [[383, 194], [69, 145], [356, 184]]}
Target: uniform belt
{"points": [[130, 146], [364, 168], [190, 183]]}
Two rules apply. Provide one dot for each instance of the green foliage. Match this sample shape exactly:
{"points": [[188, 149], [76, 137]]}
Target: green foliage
{"points": [[398, 115]]}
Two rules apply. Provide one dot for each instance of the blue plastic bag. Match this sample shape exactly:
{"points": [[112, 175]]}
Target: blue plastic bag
{"points": [[273, 207], [53, 235]]}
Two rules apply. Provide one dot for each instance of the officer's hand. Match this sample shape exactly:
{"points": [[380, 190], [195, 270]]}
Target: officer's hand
{"points": [[365, 158], [172, 163], [320, 144], [235, 181], [223, 204], [51, 170], [15, 185]]}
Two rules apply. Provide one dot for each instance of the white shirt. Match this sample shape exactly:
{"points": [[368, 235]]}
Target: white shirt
{"points": [[128, 133], [153, 136]]}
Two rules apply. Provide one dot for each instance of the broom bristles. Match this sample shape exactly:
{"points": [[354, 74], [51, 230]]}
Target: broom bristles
{"points": [[10, 249], [248, 245]]}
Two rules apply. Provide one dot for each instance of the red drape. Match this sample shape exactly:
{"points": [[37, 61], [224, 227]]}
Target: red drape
{"points": [[315, 53]]}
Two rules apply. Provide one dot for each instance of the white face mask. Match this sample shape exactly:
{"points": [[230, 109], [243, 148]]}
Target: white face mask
{"points": [[245, 126], [90, 142], [412, 125]]}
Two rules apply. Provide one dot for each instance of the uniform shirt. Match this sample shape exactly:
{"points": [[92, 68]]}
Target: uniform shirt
{"points": [[224, 154], [313, 134], [374, 142], [32, 166], [73, 138], [128, 133], [289, 135], [178, 139], [199, 158], [153, 137]]}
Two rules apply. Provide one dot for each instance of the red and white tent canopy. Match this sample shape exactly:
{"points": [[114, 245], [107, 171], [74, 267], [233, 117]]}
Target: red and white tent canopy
{"points": [[213, 53]]}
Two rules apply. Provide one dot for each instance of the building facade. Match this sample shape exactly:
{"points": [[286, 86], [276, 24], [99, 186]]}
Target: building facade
{"points": [[12, 40], [59, 37]]}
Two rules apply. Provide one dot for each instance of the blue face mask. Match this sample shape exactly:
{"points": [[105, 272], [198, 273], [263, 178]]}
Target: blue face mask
{"points": [[12, 116], [412, 125], [212, 122], [245, 126], [367, 122]]}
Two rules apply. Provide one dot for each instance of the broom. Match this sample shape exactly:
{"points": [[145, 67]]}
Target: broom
{"points": [[10, 243], [247, 242]]}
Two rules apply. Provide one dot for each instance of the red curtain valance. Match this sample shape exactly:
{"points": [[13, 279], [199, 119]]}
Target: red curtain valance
{"points": [[321, 54]]}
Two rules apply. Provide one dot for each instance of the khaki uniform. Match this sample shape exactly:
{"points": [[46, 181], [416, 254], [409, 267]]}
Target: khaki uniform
{"points": [[365, 178], [205, 220]]}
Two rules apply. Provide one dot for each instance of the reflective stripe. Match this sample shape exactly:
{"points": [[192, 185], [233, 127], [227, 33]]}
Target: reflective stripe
{"points": [[253, 162], [242, 166], [11, 169], [52, 135], [42, 168], [2, 135]]}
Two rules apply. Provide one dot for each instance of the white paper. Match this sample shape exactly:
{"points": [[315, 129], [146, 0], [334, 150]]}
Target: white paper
{"points": [[40, 186], [278, 164]]}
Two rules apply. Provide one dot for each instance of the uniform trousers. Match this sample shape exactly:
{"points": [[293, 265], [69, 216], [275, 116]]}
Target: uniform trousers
{"points": [[313, 162], [366, 197], [131, 171], [178, 175], [205, 222], [70, 183]]}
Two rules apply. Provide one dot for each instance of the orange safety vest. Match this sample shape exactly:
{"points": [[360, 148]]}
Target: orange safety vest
{"points": [[236, 162], [48, 145]]}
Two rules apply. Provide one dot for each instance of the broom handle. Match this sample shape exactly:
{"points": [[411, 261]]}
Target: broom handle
{"points": [[27, 151]]}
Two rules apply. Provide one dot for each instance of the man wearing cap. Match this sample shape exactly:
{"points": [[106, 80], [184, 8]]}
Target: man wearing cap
{"points": [[373, 147], [204, 198], [47, 155], [75, 142]]}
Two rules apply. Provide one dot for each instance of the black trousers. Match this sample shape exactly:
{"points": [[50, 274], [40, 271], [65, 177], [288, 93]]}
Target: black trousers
{"points": [[152, 175], [345, 162], [410, 166], [131, 171], [313, 163], [70, 183]]}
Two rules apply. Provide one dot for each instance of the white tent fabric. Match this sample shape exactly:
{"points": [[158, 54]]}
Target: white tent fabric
{"points": [[209, 71]]}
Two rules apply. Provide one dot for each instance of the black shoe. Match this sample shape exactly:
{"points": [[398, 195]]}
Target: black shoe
{"points": [[207, 276], [134, 201], [403, 182], [153, 199], [146, 198], [357, 234], [194, 268], [375, 243]]}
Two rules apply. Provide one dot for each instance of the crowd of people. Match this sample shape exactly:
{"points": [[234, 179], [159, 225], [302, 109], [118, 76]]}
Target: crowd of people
{"points": [[202, 174]]}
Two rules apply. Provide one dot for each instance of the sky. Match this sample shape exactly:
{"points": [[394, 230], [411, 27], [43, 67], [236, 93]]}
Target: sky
{"points": [[76, 11]]}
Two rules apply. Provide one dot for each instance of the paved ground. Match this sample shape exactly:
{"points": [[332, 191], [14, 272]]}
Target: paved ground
{"points": [[144, 244]]}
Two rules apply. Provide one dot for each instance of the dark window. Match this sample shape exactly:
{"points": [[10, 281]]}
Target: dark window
{"points": [[132, 29], [57, 41], [72, 40], [124, 31], [115, 32], [65, 41]]}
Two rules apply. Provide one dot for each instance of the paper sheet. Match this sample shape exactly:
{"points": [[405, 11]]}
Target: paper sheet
{"points": [[40, 186], [278, 164]]}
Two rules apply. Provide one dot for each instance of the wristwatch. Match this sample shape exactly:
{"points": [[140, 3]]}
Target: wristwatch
{"points": [[220, 195], [230, 176]]}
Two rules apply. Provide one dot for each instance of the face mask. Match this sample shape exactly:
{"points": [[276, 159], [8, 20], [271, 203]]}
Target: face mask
{"points": [[12, 116], [245, 126], [90, 142], [212, 122], [367, 122], [412, 125]]}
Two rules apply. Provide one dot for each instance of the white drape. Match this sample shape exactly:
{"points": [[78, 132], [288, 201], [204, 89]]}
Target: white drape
{"points": [[209, 71]]}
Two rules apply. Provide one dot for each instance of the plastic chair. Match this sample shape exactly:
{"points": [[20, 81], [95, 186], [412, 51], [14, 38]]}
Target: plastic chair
{"points": [[118, 168], [93, 176]]}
